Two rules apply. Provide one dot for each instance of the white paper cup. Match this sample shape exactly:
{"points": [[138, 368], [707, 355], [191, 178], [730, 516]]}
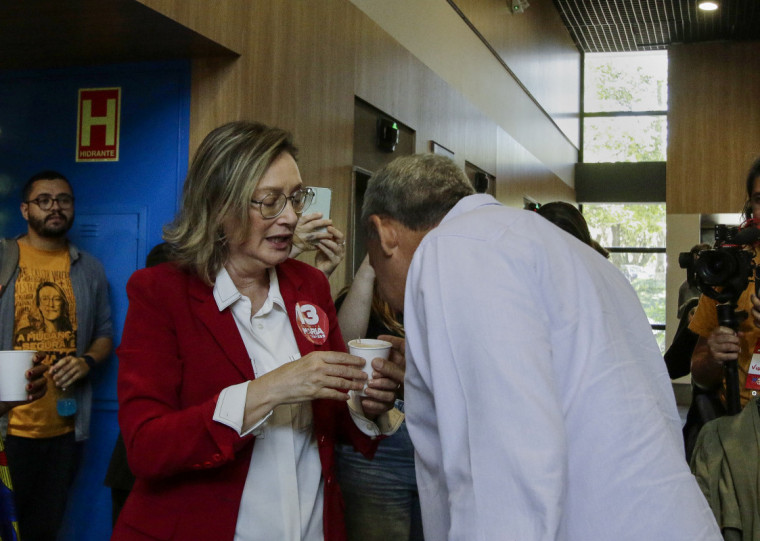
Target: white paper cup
{"points": [[368, 349], [13, 367]]}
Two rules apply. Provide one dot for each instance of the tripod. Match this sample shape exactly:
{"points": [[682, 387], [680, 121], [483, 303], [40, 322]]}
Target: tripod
{"points": [[729, 316]]}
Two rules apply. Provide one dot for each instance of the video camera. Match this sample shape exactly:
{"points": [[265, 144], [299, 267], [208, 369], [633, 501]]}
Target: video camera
{"points": [[724, 272]]}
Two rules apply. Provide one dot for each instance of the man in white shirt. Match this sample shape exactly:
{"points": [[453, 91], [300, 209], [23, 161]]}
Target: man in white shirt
{"points": [[536, 396]]}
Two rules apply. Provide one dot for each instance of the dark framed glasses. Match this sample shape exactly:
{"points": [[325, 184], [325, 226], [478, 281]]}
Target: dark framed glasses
{"points": [[45, 202], [272, 205]]}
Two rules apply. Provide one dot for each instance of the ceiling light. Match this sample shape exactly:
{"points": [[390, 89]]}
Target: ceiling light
{"points": [[706, 5]]}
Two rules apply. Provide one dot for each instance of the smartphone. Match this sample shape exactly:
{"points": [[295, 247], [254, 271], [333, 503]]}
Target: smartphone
{"points": [[320, 203]]}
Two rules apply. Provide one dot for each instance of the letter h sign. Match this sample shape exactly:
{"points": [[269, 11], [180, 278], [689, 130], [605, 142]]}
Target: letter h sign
{"points": [[98, 124]]}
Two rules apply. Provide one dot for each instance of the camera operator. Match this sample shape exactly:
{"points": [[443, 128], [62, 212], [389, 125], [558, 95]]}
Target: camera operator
{"points": [[717, 344]]}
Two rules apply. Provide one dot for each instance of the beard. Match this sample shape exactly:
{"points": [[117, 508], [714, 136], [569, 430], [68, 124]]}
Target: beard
{"points": [[47, 230]]}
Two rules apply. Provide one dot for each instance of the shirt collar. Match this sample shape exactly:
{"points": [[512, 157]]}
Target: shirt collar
{"points": [[226, 294], [471, 202]]}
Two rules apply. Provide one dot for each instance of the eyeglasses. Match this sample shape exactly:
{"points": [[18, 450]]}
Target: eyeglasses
{"points": [[45, 202], [274, 203]]}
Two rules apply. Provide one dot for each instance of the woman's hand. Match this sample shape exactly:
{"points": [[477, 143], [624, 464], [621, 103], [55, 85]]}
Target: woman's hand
{"points": [[331, 251], [317, 375], [306, 236], [325, 375], [382, 391]]}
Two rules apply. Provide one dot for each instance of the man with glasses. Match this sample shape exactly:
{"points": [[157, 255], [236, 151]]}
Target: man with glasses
{"points": [[55, 301]]}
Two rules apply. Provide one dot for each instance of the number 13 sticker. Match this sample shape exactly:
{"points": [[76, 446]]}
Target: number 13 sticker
{"points": [[312, 322]]}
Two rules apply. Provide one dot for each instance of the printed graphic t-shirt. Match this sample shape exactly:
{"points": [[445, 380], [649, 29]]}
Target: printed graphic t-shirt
{"points": [[45, 321]]}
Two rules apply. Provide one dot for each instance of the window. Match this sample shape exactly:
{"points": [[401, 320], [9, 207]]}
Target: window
{"points": [[625, 120], [634, 234], [625, 107]]}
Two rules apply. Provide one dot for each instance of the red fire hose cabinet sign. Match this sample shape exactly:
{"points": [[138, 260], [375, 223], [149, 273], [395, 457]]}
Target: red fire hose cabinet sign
{"points": [[98, 124]]}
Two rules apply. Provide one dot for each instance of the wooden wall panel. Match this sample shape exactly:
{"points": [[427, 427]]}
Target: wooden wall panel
{"points": [[714, 136], [213, 20], [538, 50], [301, 66], [420, 99], [438, 36], [713, 124], [520, 174]]}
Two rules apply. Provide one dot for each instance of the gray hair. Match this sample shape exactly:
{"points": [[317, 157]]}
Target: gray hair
{"points": [[416, 191], [222, 177]]}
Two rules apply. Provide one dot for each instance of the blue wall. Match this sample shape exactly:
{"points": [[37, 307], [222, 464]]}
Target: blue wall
{"points": [[120, 208]]}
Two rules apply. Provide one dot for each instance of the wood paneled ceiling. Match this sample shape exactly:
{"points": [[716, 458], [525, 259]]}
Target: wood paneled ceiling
{"points": [[55, 33], [603, 26]]}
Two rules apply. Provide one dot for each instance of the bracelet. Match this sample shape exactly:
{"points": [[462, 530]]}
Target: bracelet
{"points": [[89, 360]]}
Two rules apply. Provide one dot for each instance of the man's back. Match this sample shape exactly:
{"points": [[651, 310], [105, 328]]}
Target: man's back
{"points": [[536, 395]]}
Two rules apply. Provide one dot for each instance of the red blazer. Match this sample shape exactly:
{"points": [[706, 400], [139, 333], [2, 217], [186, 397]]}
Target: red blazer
{"points": [[177, 353]]}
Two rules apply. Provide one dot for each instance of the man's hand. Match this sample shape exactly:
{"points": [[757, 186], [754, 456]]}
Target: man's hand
{"points": [[709, 355], [724, 344], [69, 370], [37, 386], [382, 392]]}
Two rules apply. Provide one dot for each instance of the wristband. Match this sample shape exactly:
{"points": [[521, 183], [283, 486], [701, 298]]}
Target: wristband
{"points": [[89, 360]]}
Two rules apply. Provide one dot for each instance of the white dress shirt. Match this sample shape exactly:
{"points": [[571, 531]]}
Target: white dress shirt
{"points": [[536, 396], [283, 493]]}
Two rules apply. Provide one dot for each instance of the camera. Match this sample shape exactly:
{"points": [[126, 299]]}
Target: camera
{"points": [[724, 272]]}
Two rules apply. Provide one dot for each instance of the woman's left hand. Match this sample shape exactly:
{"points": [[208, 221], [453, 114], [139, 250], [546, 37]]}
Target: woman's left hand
{"points": [[382, 392], [330, 252], [309, 232]]}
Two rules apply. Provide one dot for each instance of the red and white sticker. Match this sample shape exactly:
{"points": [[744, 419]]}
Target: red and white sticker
{"points": [[312, 322], [753, 374]]}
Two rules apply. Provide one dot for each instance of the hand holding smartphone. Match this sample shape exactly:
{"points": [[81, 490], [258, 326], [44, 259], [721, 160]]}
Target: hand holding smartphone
{"points": [[307, 235], [320, 203]]}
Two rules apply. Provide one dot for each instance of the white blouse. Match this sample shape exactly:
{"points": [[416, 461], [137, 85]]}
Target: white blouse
{"points": [[283, 494]]}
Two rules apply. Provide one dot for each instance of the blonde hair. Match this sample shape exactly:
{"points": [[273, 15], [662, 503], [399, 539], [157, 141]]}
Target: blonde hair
{"points": [[219, 185], [386, 315]]}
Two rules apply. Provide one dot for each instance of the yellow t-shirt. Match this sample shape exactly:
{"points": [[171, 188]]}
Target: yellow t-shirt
{"points": [[705, 320], [45, 321]]}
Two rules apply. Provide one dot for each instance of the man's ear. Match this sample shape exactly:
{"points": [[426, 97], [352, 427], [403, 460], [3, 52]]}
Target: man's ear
{"points": [[24, 207], [387, 232]]}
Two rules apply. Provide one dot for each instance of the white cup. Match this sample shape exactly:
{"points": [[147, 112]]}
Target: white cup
{"points": [[368, 349], [13, 367]]}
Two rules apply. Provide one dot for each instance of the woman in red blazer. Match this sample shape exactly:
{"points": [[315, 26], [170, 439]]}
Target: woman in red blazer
{"points": [[233, 377]]}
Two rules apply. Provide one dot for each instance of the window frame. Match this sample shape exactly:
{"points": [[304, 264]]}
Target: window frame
{"points": [[605, 114]]}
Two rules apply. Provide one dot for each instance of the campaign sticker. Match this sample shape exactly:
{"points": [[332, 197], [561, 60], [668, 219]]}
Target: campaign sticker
{"points": [[312, 322], [753, 373]]}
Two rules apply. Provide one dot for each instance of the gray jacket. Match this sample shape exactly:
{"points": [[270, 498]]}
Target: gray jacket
{"points": [[88, 280]]}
